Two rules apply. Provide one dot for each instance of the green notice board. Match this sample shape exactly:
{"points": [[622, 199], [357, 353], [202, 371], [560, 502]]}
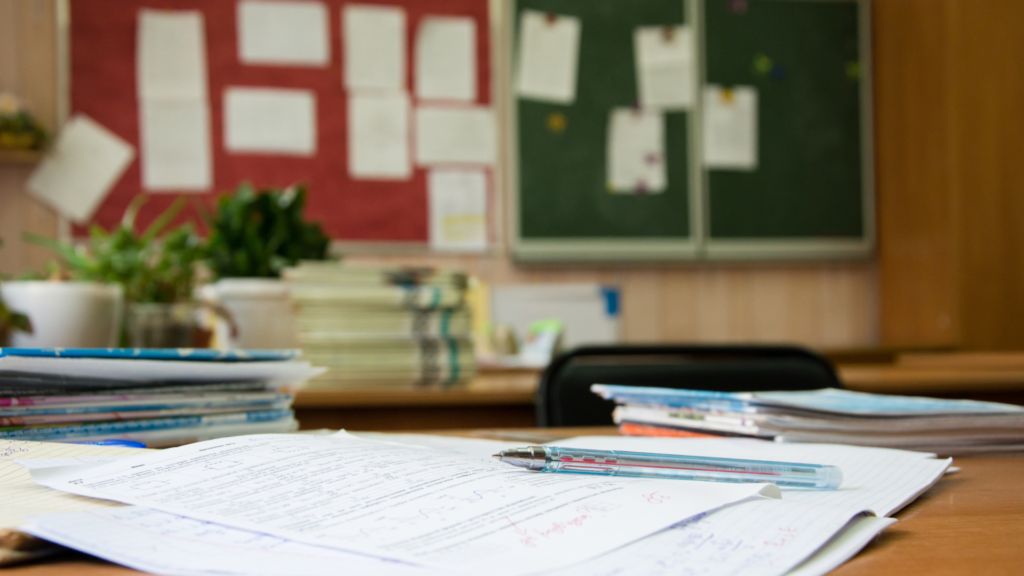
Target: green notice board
{"points": [[810, 194], [563, 198], [806, 62]]}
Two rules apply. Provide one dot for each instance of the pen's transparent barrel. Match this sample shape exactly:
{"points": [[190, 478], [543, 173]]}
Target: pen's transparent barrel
{"points": [[616, 463]]}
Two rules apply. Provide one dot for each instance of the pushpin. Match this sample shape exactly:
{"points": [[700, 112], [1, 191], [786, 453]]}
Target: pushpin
{"points": [[727, 95], [738, 6], [557, 122], [853, 71], [668, 33], [762, 64], [551, 18], [652, 158]]}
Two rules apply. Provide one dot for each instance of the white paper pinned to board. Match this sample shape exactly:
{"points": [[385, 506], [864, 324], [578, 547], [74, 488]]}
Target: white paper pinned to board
{"points": [[373, 46], [549, 46], [378, 137], [279, 33], [171, 55], [270, 120], [81, 167], [446, 58], [636, 151], [665, 66], [730, 128], [458, 210], [175, 145], [449, 135]]}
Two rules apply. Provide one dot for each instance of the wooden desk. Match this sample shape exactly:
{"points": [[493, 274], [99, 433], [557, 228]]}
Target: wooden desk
{"points": [[502, 399], [970, 522]]}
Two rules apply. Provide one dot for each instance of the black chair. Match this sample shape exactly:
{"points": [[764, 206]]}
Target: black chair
{"points": [[564, 397]]}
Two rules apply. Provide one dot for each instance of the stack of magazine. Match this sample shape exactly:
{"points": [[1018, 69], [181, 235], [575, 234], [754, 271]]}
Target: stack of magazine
{"points": [[375, 327], [948, 427], [160, 397]]}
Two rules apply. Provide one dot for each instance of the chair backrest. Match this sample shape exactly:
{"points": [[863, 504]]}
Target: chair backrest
{"points": [[564, 397]]}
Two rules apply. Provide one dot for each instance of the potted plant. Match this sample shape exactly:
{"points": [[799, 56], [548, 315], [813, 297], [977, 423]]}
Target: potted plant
{"points": [[18, 129], [253, 236], [11, 320], [35, 313], [157, 274]]}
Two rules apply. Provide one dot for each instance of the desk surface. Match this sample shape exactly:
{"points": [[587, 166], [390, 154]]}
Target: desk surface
{"points": [[518, 388], [969, 522]]}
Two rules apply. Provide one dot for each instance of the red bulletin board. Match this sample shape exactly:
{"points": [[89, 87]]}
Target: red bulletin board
{"points": [[103, 37]]}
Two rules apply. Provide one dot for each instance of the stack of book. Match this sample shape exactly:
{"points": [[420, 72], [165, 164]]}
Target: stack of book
{"points": [[160, 397], [948, 427], [373, 327]]}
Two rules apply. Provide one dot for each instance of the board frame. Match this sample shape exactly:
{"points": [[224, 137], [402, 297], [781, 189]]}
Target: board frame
{"points": [[594, 249], [699, 247], [781, 248]]}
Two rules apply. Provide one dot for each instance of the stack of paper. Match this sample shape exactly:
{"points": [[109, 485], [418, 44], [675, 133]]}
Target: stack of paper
{"points": [[413, 505], [374, 327], [297, 504], [830, 416], [158, 397]]}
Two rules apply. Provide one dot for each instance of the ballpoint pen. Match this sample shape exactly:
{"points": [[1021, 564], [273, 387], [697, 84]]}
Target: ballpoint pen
{"points": [[617, 463]]}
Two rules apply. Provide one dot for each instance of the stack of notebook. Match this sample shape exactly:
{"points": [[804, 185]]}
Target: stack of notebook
{"points": [[160, 397], [949, 427], [376, 327]]}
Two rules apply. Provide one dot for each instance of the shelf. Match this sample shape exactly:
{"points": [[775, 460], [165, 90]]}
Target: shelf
{"points": [[20, 156]]}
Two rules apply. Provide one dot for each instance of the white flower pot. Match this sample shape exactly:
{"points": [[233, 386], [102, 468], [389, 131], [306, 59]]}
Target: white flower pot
{"points": [[66, 314], [260, 309]]}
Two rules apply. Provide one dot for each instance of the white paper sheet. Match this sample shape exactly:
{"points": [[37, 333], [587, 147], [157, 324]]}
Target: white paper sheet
{"points": [[410, 504], [636, 151], [874, 479], [378, 137], [170, 61], [666, 75], [446, 58], [760, 538], [270, 120], [549, 46], [172, 545], [279, 33], [373, 46], [843, 546], [730, 128], [447, 135], [176, 153], [84, 163], [458, 210], [23, 497]]}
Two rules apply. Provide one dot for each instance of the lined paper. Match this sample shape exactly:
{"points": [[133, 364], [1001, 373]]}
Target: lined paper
{"points": [[80, 168], [373, 46], [22, 496], [446, 58], [398, 502], [278, 33], [549, 47]]}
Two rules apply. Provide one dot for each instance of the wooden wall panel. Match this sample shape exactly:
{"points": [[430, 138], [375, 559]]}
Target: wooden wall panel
{"points": [[827, 305], [28, 67], [917, 264], [987, 94]]}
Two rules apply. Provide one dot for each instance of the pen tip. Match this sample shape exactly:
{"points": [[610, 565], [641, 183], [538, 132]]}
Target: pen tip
{"points": [[495, 455]]}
